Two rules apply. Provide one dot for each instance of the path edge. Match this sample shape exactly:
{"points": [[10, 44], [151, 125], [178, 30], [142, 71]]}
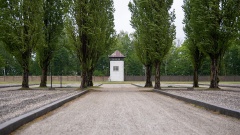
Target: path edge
{"points": [[13, 124], [221, 110]]}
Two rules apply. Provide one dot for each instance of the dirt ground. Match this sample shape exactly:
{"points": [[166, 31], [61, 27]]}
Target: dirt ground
{"points": [[125, 109]]}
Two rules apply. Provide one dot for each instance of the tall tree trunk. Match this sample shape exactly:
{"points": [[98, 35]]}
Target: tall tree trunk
{"points": [[195, 77], [43, 82], [148, 76], [157, 76], [214, 73], [83, 58], [90, 74], [84, 80], [25, 81], [25, 66]]}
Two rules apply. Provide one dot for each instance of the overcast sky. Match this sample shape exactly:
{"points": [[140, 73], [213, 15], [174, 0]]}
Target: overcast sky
{"points": [[122, 17]]}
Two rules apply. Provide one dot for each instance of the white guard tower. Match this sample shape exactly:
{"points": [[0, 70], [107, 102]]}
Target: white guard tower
{"points": [[116, 66]]}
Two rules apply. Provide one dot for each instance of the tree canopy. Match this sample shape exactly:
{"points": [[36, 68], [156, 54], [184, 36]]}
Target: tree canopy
{"points": [[153, 22], [214, 25], [21, 29], [192, 41], [53, 31], [90, 30], [78, 35]]}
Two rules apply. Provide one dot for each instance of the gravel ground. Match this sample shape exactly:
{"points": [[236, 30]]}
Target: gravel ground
{"points": [[124, 109], [227, 97], [221, 98], [16, 102]]}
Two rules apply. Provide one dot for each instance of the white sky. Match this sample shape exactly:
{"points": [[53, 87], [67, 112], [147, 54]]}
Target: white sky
{"points": [[122, 17]]}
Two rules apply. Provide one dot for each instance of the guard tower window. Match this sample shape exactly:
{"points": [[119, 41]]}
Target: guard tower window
{"points": [[115, 68]]}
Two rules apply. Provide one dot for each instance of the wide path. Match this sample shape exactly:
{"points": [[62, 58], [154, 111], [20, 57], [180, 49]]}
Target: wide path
{"points": [[125, 109]]}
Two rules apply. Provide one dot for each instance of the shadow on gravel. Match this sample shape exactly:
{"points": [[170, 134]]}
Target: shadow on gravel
{"points": [[121, 90], [146, 90], [94, 90]]}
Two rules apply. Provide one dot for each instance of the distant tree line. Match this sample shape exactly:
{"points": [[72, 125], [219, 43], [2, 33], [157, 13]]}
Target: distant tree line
{"points": [[75, 37], [65, 62]]}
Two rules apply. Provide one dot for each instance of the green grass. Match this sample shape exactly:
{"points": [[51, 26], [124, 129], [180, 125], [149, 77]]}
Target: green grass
{"points": [[229, 82], [12, 82]]}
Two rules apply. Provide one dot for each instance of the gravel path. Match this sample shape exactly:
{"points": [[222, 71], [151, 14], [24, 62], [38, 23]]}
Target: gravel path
{"points": [[124, 109], [16, 102], [221, 98], [227, 97]]}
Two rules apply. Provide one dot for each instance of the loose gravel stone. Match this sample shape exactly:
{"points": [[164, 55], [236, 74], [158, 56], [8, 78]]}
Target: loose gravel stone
{"points": [[221, 98], [126, 110], [16, 102], [227, 97]]}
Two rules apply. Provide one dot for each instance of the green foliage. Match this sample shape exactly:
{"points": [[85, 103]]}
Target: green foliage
{"points": [[9, 64], [205, 68], [53, 26], [2, 64], [155, 32], [192, 41], [102, 66], [65, 62], [2, 50], [133, 66], [90, 30], [98, 73], [177, 62], [215, 24], [154, 27], [123, 44], [52, 35], [126, 46], [231, 61], [92, 21], [141, 35], [21, 28], [212, 26]]}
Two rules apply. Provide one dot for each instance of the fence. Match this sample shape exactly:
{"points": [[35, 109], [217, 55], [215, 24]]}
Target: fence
{"points": [[127, 78], [183, 78], [54, 78]]}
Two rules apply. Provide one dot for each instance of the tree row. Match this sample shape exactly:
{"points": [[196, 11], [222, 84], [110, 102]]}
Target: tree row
{"points": [[37, 29]]}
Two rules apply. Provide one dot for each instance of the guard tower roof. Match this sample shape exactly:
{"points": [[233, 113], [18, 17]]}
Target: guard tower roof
{"points": [[116, 54]]}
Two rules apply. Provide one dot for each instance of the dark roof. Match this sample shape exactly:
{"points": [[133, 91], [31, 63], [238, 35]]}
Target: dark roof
{"points": [[117, 54]]}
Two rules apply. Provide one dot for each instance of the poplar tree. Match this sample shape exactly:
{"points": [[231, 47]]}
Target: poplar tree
{"points": [[102, 35], [215, 26], [144, 56], [191, 42], [53, 28], [153, 22], [21, 30], [90, 31], [141, 41], [162, 31]]}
